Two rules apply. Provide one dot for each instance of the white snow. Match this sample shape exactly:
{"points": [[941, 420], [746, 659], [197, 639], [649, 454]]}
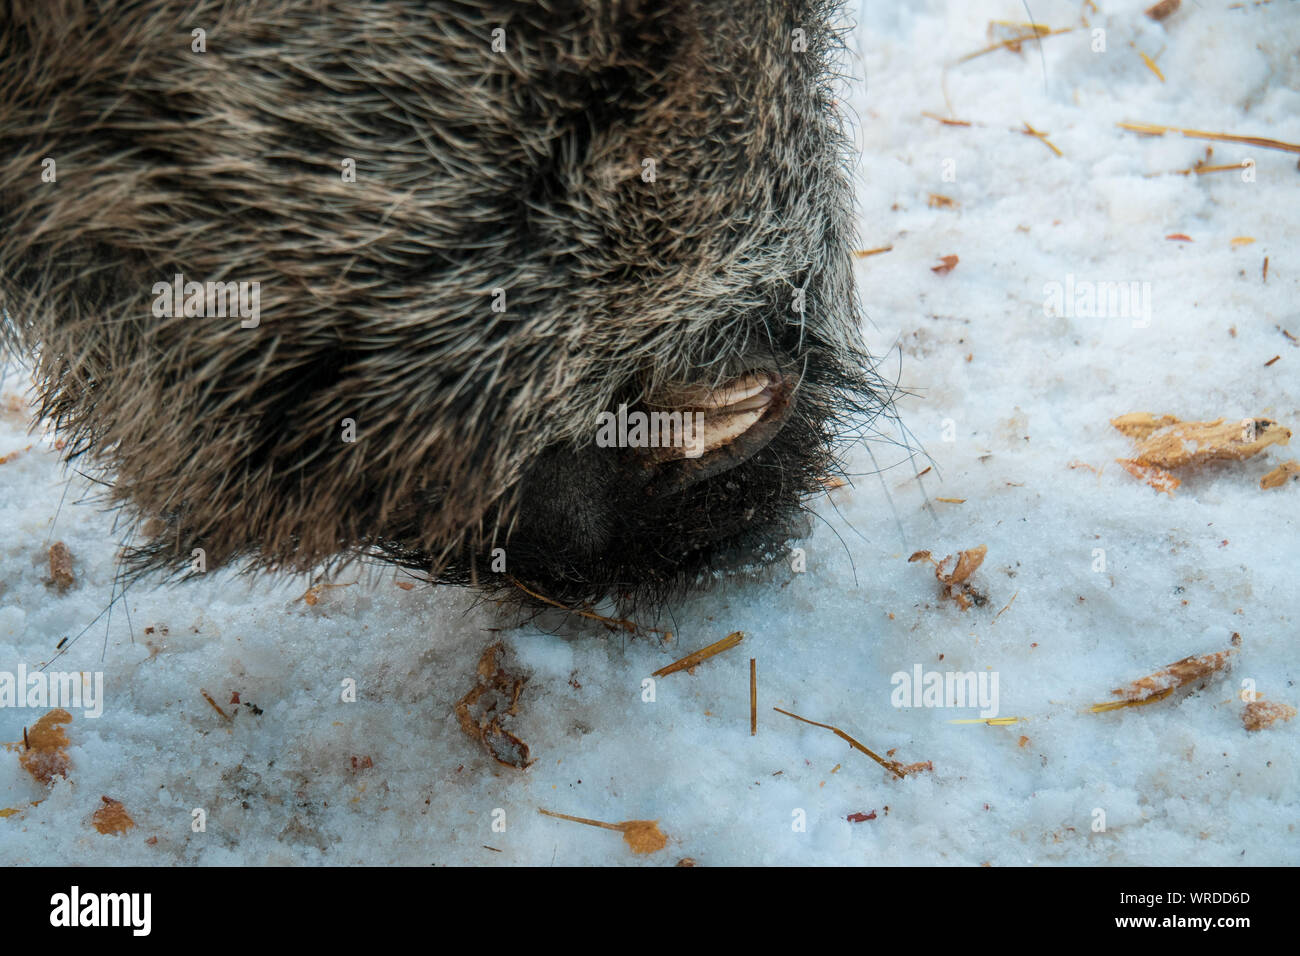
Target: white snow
{"points": [[1021, 395]]}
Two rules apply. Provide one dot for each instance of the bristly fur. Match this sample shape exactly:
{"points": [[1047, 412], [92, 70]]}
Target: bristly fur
{"points": [[475, 171]]}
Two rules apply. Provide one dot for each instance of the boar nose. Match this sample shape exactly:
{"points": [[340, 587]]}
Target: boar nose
{"points": [[728, 425]]}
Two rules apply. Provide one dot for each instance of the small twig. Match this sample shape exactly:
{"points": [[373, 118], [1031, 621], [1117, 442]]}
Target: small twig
{"points": [[889, 765]]}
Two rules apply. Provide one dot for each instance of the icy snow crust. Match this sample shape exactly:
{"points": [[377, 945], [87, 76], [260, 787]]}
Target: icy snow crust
{"points": [[1020, 393]]}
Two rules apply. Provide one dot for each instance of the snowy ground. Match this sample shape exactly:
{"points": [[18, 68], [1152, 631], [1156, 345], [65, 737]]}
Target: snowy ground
{"points": [[1006, 397]]}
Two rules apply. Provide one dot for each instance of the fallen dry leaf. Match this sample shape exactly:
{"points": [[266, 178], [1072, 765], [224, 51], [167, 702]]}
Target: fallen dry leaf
{"points": [[494, 698], [946, 265], [111, 817], [967, 562], [1138, 425], [955, 584], [1163, 9], [644, 836], [43, 755], [1260, 714], [1166, 443], [1169, 443], [61, 575], [1157, 478], [1287, 471]]}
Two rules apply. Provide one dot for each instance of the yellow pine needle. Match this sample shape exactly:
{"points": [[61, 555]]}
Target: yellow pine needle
{"points": [[1030, 131], [690, 660], [1154, 129], [1118, 704], [1151, 65], [1038, 33]]}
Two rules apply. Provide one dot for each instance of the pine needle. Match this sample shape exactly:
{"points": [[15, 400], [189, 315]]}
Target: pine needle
{"points": [[1151, 65], [1030, 131], [1154, 129], [892, 766], [613, 623], [753, 697], [944, 120], [1039, 31], [691, 660], [215, 705]]}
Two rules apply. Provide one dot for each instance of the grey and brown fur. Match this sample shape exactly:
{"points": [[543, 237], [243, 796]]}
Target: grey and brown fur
{"points": [[476, 170]]}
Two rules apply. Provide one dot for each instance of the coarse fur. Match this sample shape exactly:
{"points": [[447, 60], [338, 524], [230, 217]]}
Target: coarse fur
{"points": [[476, 170]]}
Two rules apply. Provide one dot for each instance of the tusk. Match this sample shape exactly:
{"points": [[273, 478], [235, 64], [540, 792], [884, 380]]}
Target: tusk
{"points": [[733, 393], [728, 412]]}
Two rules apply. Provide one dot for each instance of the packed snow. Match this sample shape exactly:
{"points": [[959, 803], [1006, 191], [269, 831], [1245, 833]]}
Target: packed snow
{"points": [[1093, 579]]}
